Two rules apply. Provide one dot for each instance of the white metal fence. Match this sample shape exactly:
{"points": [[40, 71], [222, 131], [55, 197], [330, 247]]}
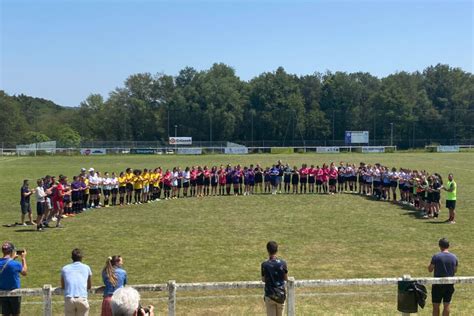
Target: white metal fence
{"points": [[172, 288]]}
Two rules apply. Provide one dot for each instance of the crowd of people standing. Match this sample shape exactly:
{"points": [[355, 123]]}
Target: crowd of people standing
{"points": [[57, 198]]}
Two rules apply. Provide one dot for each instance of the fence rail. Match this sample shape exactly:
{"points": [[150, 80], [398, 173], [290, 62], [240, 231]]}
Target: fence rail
{"points": [[47, 292]]}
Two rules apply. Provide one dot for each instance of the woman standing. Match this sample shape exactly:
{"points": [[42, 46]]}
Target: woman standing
{"points": [[114, 277], [286, 179], [295, 178]]}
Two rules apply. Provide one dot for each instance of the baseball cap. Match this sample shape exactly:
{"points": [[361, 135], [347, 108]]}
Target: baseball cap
{"points": [[83, 169], [7, 247], [91, 169]]}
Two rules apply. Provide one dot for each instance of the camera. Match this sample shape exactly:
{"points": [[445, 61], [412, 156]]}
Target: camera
{"points": [[20, 252], [146, 310]]}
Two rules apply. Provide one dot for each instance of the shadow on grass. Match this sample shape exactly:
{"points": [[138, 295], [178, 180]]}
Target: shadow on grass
{"points": [[25, 230], [409, 210]]}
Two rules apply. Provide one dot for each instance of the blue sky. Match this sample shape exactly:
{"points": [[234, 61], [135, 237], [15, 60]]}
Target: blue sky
{"points": [[66, 50]]}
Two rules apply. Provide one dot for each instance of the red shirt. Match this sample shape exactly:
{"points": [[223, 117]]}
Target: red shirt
{"points": [[58, 192]]}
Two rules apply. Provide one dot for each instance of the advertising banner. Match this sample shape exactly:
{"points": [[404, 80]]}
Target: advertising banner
{"points": [[93, 151], [448, 149], [369, 150], [143, 151], [327, 150], [189, 151], [181, 140], [356, 137], [236, 150]]}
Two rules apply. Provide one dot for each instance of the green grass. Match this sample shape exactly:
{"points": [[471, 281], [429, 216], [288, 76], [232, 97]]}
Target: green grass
{"points": [[223, 238]]}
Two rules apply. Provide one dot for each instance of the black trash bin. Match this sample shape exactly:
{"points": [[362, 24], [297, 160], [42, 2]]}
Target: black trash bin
{"points": [[407, 302]]}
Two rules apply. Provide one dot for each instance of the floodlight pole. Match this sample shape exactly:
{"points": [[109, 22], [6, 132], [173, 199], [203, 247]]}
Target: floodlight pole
{"points": [[391, 134], [175, 136]]}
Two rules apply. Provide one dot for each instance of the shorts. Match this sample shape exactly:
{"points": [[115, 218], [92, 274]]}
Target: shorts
{"points": [[25, 207], [129, 187], [340, 179], [146, 188], [107, 192], [122, 190], [387, 184], [138, 191], [214, 184], [200, 181], [207, 181], [49, 205], [75, 196], [451, 204], [94, 191], [58, 205], [319, 182], [114, 191], [287, 179], [436, 197], [353, 178], [442, 292], [40, 208], [167, 187], [377, 184], [10, 305], [303, 180], [393, 184], [193, 182], [332, 181], [186, 184]]}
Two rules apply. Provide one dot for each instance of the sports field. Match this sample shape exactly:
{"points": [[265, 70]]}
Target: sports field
{"points": [[223, 238]]}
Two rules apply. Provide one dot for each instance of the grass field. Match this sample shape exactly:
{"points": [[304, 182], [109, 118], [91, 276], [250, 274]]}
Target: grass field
{"points": [[223, 238]]}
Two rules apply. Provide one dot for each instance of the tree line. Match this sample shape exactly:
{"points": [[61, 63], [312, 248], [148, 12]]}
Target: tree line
{"points": [[435, 105]]}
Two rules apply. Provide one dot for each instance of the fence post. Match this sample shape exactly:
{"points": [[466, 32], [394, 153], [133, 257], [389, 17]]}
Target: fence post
{"points": [[291, 297], [406, 277], [171, 298], [47, 300]]}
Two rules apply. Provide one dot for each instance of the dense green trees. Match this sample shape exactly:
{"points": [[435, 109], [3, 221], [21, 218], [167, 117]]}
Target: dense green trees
{"points": [[436, 105]]}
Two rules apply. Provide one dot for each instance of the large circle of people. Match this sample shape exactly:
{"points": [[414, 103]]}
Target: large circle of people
{"points": [[60, 197]]}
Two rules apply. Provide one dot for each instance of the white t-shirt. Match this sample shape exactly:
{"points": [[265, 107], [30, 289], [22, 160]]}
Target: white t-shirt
{"points": [[40, 195]]}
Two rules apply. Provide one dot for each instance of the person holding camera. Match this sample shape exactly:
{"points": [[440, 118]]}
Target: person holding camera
{"points": [[274, 274], [443, 264], [126, 302], [10, 271], [76, 280], [114, 277]]}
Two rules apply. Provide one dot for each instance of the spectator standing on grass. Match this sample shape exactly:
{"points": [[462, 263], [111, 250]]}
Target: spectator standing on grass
{"points": [[450, 189], [25, 202], [114, 277], [274, 274], [444, 264], [76, 280], [40, 204], [10, 271]]}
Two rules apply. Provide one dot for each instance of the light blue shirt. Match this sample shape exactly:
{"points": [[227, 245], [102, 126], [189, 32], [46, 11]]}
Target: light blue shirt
{"points": [[75, 277]]}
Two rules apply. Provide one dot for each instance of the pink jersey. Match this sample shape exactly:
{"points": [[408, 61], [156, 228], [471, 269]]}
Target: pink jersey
{"points": [[333, 173], [222, 177], [304, 172]]}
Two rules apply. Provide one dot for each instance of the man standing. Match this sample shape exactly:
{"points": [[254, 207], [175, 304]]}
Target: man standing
{"points": [[274, 274], [76, 280], [450, 189], [25, 202], [10, 271], [444, 264]]}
